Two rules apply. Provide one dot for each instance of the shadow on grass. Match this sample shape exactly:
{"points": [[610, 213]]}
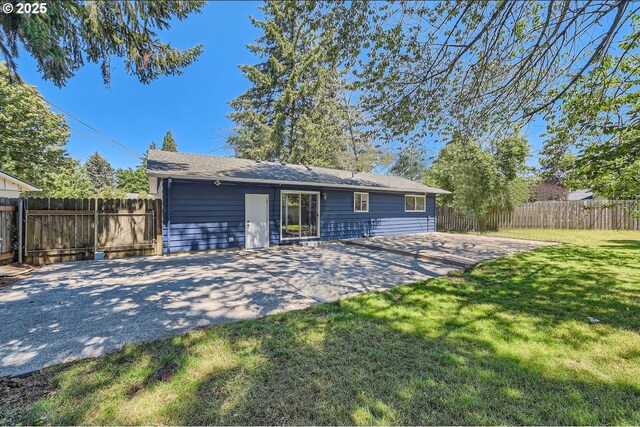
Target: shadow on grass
{"points": [[623, 244], [446, 351]]}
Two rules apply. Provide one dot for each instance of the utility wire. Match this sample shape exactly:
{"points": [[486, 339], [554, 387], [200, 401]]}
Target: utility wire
{"points": [[100, 141], [129, 150]]}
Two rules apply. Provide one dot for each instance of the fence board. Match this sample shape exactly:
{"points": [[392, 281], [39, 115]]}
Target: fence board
{"points": [[73, 229], [8, 216], [579, 214]]}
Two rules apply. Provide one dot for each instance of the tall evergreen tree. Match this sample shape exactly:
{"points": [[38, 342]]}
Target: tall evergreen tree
{"points": [[168, 143], [65, 35], [99, 172], [295, 110]]}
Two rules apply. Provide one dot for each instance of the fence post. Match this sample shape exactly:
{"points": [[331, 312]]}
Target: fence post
{"points": [[95, 229], [158, 225], [19, 226]]}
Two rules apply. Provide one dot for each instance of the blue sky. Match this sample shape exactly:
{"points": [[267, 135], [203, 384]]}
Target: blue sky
{"points": [[193, 106]]}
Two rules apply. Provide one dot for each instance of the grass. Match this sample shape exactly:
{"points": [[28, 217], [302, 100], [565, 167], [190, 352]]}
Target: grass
{"points": [[506, 343]]}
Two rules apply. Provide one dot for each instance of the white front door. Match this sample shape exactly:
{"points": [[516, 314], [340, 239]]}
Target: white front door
{"points": [[256, 213]]}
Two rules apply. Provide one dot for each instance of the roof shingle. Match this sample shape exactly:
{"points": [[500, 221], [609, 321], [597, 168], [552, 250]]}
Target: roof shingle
{"points": [[165, 164]]}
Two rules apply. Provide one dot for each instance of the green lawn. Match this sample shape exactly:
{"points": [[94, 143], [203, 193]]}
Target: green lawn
{"points": [[507, 343]]}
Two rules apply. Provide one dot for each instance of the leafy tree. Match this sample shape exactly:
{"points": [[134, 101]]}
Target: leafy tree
{"points": [[32, 137], [132, 180], [471, 67], [410, 164], [135, 180], [168, 143], [73, 32], [601, 134], [482, 180], [69, 181], [547, 191], [99, 172], [297, 109]]}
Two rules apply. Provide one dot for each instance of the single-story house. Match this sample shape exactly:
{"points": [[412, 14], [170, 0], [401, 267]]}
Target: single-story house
{"points": [[11, 187], [220, 202], [584, 194]]}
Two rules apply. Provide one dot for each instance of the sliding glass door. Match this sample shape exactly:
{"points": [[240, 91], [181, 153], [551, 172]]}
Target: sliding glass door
{"points": [[300, 213]]}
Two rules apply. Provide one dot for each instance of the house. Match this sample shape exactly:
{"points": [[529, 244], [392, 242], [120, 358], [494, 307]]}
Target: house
{"points": [[11, 187], [584, 194], [220, 202]]}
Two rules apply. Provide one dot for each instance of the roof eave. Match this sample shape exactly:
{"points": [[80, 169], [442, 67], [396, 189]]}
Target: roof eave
{"points": [[24, 186], [427, 190]]}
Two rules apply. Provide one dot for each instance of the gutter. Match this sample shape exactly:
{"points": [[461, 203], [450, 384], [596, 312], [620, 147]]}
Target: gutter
{"points": [[426, 190]]}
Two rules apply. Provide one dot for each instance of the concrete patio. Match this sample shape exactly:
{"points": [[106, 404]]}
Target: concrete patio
{"points": [[69, 311]]}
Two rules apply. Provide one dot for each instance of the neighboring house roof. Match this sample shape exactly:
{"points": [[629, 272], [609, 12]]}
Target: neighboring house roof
{"points": [[165, 164], [5, 179], [584, 194]]}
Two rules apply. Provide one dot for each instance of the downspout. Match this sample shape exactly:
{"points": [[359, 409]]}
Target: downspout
{"points": [[169, 216]]}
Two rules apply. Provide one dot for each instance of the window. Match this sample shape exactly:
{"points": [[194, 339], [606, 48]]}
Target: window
{"points": [[361, 202], [415, 203], [300, 213]]}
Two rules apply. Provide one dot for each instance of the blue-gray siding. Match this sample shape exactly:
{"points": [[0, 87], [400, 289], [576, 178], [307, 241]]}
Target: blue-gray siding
{"points": [[205, 216]]}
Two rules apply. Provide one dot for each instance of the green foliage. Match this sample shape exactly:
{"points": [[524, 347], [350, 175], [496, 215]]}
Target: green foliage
{"points": [[603, 131], [168, 143], [32, 137], [70, 181], [410, 164], [297, 109], [429, 69], [132, 180], [73, 32], [482, 180], [99, 172]]}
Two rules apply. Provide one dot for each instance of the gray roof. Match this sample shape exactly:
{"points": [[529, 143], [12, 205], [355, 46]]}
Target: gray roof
{"points": [[584, 194], [165, 164]]}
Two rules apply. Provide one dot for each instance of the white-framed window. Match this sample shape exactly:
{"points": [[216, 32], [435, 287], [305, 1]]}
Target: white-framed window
{"points": [[299, 214], [360, 202], [415, 203]]}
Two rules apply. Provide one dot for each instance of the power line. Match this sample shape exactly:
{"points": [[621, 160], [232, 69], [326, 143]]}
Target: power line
{"points": [[129, 150], [100, 141]]}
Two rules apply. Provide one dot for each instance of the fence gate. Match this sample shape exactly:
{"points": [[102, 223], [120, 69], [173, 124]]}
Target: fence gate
{"points": [[75, 229], [8, 215]]}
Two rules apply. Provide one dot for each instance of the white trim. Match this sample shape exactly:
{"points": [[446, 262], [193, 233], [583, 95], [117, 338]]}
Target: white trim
{"points": [[354, 201], [424, 196], [317, 193], [427, 190], [246, 225], [23, 186]]}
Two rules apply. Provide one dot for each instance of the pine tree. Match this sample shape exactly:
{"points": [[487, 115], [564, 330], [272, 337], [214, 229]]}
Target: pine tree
{"points": [[74, 32], [294, 111], [99, 172], [169, 143]]}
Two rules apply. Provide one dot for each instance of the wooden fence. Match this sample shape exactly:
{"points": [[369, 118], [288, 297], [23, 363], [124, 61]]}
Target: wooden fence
{"points": [[75, 229], [579, 215], [8, 215]]}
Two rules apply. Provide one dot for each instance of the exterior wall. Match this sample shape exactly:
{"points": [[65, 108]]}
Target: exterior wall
{"points": [[9, 193], [386, 216], [205, 216], [9, 188]]}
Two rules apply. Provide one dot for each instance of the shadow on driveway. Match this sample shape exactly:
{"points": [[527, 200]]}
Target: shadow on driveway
{"points": [[69, 311]]}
